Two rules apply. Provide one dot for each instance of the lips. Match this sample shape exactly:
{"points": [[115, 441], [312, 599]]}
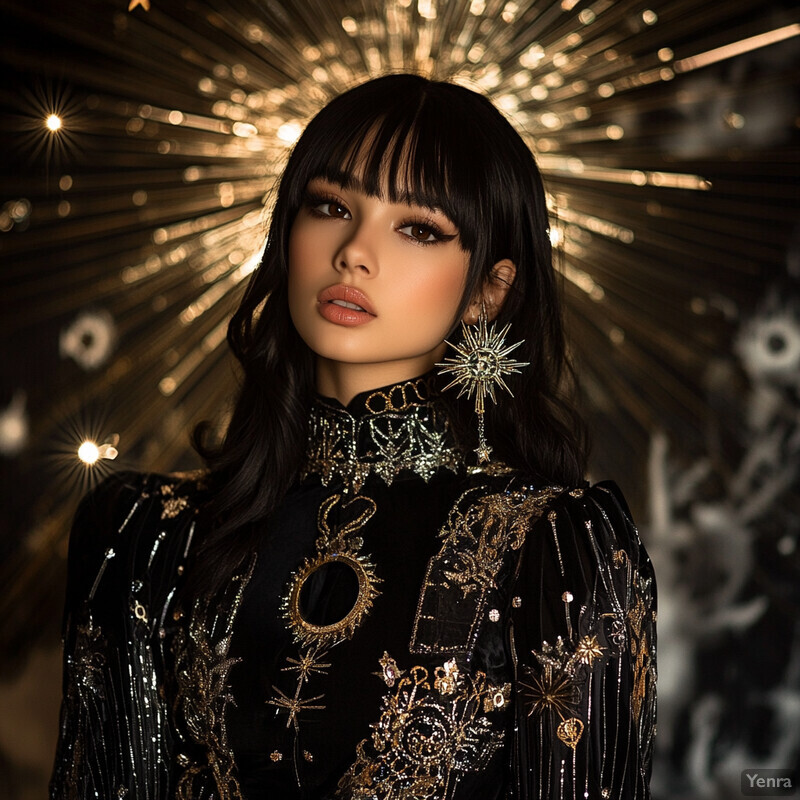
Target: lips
{"points": [[343, 293], [345, 305]]}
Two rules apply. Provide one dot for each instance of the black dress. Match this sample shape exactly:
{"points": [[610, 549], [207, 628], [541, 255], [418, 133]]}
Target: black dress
{"points": [[407, 628]]}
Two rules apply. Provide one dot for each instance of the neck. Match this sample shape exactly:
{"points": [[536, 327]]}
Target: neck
{"points": [[344, 381]]}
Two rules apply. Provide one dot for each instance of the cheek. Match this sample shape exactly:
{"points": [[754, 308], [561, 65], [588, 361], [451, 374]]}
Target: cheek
{"points": [[436, 293], [301, 262], [299, 284]]}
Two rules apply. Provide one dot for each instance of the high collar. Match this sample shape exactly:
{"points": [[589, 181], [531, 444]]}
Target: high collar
{"points": [[391, 432]]}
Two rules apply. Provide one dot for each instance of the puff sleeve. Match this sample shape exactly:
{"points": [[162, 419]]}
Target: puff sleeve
{"points": [[583, 641], [94, 637], [85, 716]]}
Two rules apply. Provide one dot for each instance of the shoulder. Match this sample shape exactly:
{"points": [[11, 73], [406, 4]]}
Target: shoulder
{"points": [[584, 530], [583, 570], [596, 520], [602, 504], [585, 546], [124, 513], [107, 506]]}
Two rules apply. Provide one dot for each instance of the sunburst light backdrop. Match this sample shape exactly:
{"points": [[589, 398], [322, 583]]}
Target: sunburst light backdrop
{"points": [[139, 149]]}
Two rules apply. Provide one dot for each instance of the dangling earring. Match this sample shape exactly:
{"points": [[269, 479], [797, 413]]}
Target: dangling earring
{"points": [[480, 364]]}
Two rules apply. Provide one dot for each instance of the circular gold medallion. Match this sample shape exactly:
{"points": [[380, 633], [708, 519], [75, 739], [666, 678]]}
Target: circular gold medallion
{"points": [[329, 597]]}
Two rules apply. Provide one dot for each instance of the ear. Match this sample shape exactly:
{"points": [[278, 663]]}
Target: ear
{"points": [[493, 292]]}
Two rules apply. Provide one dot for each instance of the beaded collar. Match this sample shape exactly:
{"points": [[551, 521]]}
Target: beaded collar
{"points": [[382, 432]]}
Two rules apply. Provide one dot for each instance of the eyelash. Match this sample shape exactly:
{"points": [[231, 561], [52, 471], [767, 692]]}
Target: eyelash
{"points": [[313, 200]]}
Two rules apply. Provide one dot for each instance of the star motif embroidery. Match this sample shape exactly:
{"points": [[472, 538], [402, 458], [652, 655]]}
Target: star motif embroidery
{"points": [[294, 705], [588, 649], [551, 691], [306, 665]]}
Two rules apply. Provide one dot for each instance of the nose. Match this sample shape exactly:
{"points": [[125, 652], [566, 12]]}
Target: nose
{"points": [[358, 252]]}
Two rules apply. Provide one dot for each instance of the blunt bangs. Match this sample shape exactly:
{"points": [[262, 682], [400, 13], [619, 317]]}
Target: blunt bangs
{"points": [[407, 140]]}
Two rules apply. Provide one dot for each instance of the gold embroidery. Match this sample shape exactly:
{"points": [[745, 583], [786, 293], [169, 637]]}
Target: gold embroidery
{"points": [[294, 705], [171, 505], [588, 649], [340, 546], [480, 531], [497, 697], [555, 688], [306, 665], [425, 739], [409, 394], [490, 468], [400, 434], [389, 670], [88, 661], [86, 667], [447, 677], [644, 677], [335, 547], [329, 635], [501, 521], [551, 692], [201, 672], [570, 732]]}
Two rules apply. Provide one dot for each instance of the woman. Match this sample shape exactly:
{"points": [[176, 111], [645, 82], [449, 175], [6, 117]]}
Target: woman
{"points": [[381, 588]]}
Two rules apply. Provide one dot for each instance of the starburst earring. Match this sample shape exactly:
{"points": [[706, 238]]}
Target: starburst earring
{"points": [[479, 366]]}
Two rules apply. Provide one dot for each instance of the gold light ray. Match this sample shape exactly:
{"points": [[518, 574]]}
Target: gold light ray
{"points": [[737, 48]]}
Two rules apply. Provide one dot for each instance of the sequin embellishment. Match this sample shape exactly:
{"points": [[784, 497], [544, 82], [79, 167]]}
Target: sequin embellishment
{"points": [[405, 429], [337, 547], [171, 505], [430, 733], [555, 689], [202, 666], [480, 535]]}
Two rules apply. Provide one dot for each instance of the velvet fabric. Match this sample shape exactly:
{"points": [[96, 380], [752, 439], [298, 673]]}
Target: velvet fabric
{"points": [[500, 641]]}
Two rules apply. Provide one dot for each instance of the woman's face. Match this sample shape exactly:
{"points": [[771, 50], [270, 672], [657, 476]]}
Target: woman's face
{"points": [[372, 282]]}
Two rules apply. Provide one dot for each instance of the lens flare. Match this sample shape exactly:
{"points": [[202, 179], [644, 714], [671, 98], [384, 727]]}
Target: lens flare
{"points": [[89, 452]]}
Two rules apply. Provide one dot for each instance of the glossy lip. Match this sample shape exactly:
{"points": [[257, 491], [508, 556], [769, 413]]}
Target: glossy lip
{"points": [[339, 315]]}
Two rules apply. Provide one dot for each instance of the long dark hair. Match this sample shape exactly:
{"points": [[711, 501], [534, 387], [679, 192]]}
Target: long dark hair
{"points": [[433, 143]]}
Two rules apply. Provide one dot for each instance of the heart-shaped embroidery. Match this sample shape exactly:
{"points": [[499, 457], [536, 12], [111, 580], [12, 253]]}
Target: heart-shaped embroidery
{"points": [[570, 732]]}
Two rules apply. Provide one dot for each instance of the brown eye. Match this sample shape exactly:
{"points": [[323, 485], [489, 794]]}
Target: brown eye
{"points": [[325, 206], [421, 233], [331, 209]]}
